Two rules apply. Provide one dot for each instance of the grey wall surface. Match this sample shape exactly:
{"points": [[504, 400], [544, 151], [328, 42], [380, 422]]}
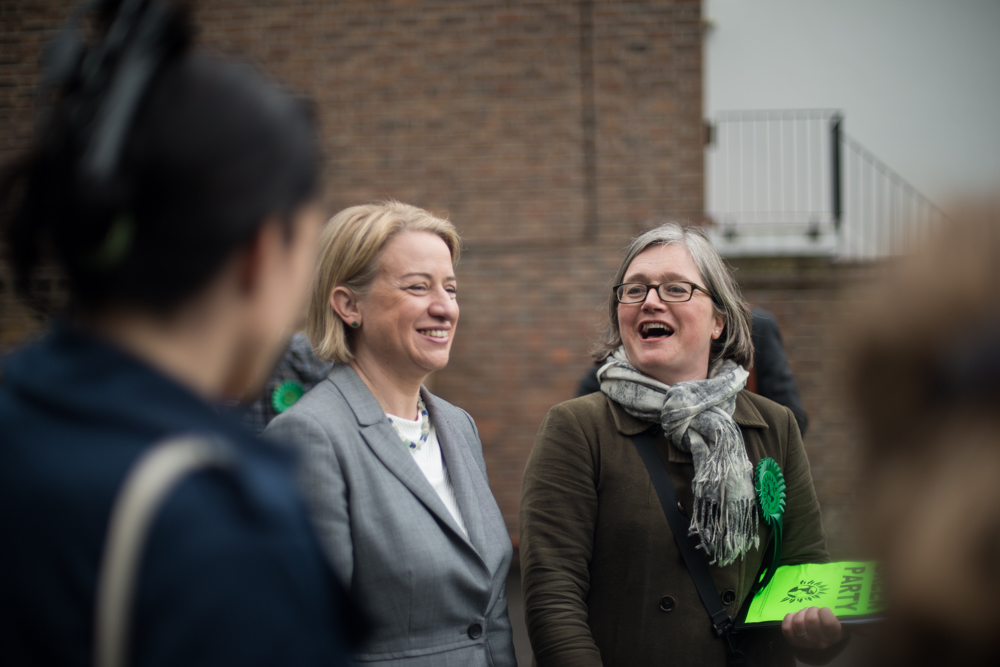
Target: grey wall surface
{"points": [[918, 80]]}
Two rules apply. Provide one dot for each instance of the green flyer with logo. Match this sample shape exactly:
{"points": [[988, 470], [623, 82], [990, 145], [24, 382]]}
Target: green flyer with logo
{"points": [[851, 589]]}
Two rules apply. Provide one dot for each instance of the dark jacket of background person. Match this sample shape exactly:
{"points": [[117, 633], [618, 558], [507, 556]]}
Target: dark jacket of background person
{"points": [[75, 414], [436, 597], [773, 377], [298, 365], [617, 554], [770, 367]]}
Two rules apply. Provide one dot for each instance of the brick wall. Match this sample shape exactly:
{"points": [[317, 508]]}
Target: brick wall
{"points": [[549, 131], [25, 27]]}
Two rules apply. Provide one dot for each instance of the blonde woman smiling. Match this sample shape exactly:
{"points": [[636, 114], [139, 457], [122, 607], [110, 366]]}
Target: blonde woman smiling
{"points": [[395, 475]]}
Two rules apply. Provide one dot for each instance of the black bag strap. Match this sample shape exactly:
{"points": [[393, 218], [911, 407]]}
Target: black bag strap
{"points": [[695, 560]]}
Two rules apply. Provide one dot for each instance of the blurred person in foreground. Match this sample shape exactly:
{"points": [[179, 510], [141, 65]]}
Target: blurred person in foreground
{"points": [[396, 475], [927, 384], [604, 581], [185, 229]]}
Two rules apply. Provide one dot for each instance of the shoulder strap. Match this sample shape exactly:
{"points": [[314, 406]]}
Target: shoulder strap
{"points": [[695, 560], [147, 485]]}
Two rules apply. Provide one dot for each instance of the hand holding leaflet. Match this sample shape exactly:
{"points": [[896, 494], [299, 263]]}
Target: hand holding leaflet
{"points": [[850, 589], [812, 628]]}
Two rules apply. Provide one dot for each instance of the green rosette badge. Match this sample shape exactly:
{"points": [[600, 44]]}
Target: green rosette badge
{"points": [[285, 395], [769, 484]]}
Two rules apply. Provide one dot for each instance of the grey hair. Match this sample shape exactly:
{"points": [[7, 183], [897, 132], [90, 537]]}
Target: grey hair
{"points": [[735, 342]]}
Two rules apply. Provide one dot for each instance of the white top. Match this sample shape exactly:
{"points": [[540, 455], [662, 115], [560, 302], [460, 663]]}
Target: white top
{"points": [[431, 463]]}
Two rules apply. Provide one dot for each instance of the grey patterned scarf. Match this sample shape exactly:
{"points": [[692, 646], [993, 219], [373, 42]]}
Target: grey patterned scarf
{"points": [[697, 417]]}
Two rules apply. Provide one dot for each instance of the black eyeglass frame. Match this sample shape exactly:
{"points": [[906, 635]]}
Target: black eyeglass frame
{"points": [[694, 286]]}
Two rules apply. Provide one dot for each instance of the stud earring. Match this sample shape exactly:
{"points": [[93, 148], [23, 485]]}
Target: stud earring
{"points": [[355, 324]]}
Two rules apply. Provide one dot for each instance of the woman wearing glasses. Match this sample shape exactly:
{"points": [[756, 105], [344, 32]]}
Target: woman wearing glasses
{"points": [[604, 580]]}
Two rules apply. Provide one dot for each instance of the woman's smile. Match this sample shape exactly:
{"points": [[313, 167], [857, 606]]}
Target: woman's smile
{"points": [[655, 330], [436, 335]]}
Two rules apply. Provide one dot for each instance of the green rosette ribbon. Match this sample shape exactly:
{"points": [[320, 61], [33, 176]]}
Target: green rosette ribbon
{"points": [[285, 395], [769, 485]]}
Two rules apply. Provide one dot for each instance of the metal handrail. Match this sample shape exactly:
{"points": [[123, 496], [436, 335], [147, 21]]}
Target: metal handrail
{"points": [[778, 170]]}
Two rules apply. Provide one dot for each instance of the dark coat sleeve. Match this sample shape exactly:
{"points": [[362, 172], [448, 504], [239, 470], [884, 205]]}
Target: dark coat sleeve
{"points": [[561, 473]]}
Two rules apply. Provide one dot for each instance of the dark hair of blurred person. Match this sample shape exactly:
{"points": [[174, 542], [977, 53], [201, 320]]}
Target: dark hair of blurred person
{"points": [[925, 369], [174, 194]]}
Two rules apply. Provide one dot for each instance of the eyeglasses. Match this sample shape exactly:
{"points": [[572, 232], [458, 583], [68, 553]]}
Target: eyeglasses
{"points": [[676, 291]]}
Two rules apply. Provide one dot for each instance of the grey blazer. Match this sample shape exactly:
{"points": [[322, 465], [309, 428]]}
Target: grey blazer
{"points": [[436, 598]]}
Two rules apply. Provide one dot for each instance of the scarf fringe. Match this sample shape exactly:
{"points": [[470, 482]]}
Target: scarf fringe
{"points": [[725, 516], [734, 526]]}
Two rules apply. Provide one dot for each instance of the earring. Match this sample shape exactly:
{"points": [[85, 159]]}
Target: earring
{"points": [[355, 324]]}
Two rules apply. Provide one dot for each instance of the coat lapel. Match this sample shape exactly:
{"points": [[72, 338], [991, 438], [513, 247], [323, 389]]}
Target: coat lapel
{"points": [[466, 478], [384, 442]]}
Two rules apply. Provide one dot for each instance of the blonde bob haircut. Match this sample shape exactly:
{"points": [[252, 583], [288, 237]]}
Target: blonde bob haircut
{"points": [[735, 342], [350, 246]]}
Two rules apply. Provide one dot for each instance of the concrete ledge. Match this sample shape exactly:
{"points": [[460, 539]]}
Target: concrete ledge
{"points": [[773, 241]]}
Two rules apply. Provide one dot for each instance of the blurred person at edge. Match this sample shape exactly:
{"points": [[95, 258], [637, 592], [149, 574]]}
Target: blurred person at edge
{"points": [[926, 365], [395, 475], [184, 274], [597, 553]]}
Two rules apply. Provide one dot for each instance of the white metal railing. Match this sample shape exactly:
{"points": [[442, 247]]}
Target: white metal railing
{"points": [[793, 182]]}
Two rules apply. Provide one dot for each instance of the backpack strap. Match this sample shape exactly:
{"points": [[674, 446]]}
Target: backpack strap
{"points": [[146, 487]]}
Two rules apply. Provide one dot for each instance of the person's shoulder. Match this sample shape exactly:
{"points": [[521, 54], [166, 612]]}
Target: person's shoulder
{"points": [[321, 403], [265, 476], [755, 410], [226, 533], [592, 410], [324, 392], [584, 404], [324, 415]]}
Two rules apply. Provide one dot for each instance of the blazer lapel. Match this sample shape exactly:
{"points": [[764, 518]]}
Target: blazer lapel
{"points": [[464, 473], [384, 442]]}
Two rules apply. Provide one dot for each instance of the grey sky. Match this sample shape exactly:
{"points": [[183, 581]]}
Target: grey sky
{"points": [[918, 80]]}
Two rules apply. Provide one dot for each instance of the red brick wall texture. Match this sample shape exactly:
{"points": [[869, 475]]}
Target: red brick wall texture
{"points": [[549, 131]]}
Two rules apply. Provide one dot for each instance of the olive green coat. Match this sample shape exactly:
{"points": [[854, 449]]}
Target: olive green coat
{"points": [[597, 554]]}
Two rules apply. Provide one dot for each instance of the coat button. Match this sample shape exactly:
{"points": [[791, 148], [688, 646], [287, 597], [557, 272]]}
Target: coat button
{"points": [[667, 603], [680, 507], [475, 631], [728, 596]]}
